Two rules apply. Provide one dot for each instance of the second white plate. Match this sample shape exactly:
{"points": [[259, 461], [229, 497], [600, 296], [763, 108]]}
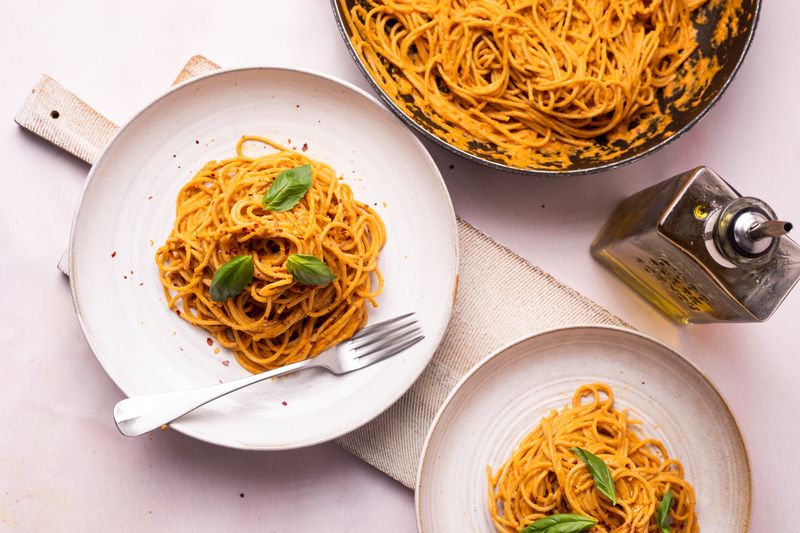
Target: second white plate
{"points": [[506, 395]]}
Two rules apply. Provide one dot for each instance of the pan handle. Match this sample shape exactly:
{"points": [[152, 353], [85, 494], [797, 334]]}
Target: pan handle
{"points": [[57, 115]]}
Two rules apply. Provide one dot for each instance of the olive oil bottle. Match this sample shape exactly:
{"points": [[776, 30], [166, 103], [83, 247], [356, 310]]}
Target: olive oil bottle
{"points": [[699, 251]]}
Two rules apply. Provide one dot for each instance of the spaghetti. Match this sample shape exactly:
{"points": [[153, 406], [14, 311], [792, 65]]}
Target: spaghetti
{"points": [[521, 75], [545, 477], [274, 321]]}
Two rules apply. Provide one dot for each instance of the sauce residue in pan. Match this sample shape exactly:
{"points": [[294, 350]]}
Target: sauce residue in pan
{"points": [[654, 122]]}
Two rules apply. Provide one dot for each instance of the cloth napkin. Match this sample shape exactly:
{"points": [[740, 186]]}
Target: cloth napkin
{"points": [[501, 297]]}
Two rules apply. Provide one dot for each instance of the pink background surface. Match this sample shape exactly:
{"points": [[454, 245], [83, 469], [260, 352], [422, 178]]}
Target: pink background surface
{"points": [[64, 467]]}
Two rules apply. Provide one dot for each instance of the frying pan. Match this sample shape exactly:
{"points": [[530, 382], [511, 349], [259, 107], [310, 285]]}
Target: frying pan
{"points": [[729, 54]]}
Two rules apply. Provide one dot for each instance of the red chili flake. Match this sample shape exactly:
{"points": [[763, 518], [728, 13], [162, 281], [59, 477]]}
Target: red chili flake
{"points": [[149, 197], [209, 341], [220, 382], [226, 363], [196, 141], [178, 312], [124, 277], [284, 404], [298, 106], [131, 272], [174, 155], [305, 146], [113, 254], [142, 283], [181, 349], [289, 141]]}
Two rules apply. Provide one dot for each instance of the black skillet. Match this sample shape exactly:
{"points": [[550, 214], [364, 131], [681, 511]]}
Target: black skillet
{"points": [[729, 55]]}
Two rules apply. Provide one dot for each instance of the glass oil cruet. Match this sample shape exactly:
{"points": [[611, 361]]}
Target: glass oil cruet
{"points": [[699, 251]]}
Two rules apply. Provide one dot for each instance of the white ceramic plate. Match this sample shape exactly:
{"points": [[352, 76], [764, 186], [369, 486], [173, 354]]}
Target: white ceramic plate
{"points": [[505, 396], [128, 207]]}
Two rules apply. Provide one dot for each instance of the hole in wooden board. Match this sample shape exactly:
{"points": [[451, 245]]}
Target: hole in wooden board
{"points": [[55, 114]]}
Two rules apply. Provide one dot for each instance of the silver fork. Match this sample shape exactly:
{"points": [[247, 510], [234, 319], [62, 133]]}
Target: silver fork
{"points": [[136, 416]]}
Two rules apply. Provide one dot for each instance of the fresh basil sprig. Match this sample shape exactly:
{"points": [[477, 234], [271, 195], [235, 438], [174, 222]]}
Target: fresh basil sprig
{"points": [[561, 523], [288, 188], [600, 472], [663, 518], [231, 278], [309, 270]]}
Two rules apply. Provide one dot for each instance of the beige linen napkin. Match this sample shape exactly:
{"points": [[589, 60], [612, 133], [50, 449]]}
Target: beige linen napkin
{"points": [[501, 297]]}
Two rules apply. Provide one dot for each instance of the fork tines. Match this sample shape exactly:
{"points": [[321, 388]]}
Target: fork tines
{"points": [[386, 338]]}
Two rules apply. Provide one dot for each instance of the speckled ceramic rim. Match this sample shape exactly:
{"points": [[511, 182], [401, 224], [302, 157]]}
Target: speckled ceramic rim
{"points": [[543, 173], [626, 331]]}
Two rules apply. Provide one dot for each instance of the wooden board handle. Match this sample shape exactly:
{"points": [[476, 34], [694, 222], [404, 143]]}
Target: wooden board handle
{"points": [[196, 66], [57, 115]]}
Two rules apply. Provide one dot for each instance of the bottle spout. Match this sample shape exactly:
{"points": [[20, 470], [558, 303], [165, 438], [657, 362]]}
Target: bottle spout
{"points": [[769, 229], [748, 232]]}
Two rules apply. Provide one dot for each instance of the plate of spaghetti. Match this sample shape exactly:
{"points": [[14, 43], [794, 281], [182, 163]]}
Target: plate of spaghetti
{"points": [[595, 429], [252, 218], [549, 87]]}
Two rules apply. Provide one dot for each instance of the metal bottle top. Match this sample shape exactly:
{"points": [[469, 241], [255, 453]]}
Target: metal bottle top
{"points": [[747, 232]]}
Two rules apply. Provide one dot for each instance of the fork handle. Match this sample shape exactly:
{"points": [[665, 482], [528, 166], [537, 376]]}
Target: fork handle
{"points": [[136, 416]]}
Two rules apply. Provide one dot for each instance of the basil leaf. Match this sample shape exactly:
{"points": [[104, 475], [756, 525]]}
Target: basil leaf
{"points": [[561, 523], [309, 270], [663, 518], [600, 472], [288, 188], [231, 278]]}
